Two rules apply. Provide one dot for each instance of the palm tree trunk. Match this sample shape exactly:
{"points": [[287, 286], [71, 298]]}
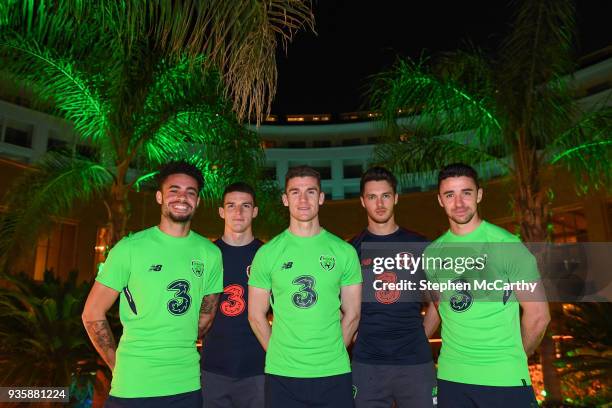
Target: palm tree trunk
{"points": [[532, 206], [118, 212]]}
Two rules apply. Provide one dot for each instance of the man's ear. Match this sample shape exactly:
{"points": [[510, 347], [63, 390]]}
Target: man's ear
{"points": [[440, 201], [362, 202], [222, 212], [158, 197], [198, 202], [321, 198], [285, 200], [396, 198], [479, 195], [255, 212]]}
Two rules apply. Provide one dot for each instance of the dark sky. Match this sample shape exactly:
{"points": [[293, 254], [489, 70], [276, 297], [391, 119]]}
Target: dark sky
{"points": [[328, 72]]}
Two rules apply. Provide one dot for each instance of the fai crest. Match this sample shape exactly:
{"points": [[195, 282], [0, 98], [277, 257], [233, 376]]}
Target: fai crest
{"points": [[197, 267], [327, 262]]}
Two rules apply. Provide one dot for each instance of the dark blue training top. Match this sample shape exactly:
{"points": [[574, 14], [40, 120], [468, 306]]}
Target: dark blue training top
{"points": [[390, 330], [230, 347]]}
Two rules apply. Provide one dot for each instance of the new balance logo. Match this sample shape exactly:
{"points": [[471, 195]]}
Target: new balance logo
{"points": [[155, 268], [287, 265]]}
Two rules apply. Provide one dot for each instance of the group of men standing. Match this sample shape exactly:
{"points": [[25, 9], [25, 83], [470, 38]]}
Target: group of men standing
{"points": [[176, 286]]}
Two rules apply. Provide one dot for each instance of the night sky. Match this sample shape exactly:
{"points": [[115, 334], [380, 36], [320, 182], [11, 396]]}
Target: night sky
{"points": [[328, 72]]}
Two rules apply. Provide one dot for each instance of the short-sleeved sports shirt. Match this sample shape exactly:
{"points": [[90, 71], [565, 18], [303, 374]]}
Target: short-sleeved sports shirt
{"points": [[481, 333], [304, 275], [162, 280], [390, 332], [230, 347]]}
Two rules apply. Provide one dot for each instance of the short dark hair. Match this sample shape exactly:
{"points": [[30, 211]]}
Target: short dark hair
{"points": [[378, 173], [302, 171], [458, 170], [179, 167], [240, 187]]}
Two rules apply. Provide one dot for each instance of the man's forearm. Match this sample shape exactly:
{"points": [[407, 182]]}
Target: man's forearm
{"points": [[431, 320], [207, 313], [101, 336], [262, 329], [532, 331], [349, 323]]}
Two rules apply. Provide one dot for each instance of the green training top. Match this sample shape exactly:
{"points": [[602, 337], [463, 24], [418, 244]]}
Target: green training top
{"points": [[304, 275], [162, 280], [481, 329]]}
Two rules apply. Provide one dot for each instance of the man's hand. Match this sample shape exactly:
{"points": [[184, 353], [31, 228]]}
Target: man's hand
{"points": [[208, 311], [536, 317], [99, 301]]}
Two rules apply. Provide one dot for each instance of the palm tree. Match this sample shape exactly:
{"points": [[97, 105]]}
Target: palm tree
{"points": [[142, 83], [42, 339], [514, 114]]}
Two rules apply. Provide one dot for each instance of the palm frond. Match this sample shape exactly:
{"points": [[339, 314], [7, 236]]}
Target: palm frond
{"points": [[56, 79], [239, 38], [585, 149], [51, 188], [417, 159], [429, 103], [537, 51]]}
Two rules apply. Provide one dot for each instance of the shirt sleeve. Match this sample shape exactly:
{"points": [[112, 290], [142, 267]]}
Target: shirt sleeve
{"points": [[520, 263], [352, 271], [261, 275], [115, 271], [214, 275]]}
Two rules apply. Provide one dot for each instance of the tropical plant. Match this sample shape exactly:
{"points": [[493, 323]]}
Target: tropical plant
{"points": [[142, 83], [42, 339], [514, 113], [586, 367]]}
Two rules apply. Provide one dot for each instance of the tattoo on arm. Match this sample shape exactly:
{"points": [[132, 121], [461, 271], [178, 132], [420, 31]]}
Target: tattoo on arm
{"points": [[101, 334], [209, 303]]}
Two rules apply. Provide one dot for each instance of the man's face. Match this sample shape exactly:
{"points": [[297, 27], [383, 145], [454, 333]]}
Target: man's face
{"points": [[459, 197], [238, 211], [178, 197], [379, 199], [303, 197]]}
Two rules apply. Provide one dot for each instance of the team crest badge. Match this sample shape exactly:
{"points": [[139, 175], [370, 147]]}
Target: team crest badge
{"points": [[327, 262], [197, 267]]}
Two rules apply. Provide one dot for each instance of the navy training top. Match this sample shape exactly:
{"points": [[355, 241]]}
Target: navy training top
{"points": [[230, 347], [390, 330]]}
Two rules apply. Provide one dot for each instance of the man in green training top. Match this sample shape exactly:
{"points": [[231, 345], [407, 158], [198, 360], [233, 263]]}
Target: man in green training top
{"points": [[169, 279], [309, 276], [485, 341]]}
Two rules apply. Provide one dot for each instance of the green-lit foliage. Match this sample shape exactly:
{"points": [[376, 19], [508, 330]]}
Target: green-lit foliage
{"points": [[586, 364], [142, 83], [42, 339], [510, 113]]}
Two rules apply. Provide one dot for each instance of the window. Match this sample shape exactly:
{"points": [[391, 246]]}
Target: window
{"points": [[86, 151], [56, 144], [19, 134], [56, 251], [296, 144], [352, 171], [325, 172], [321, 143], [351, 142]]}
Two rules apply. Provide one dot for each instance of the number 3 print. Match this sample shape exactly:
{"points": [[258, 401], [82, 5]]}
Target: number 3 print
{"points": [[306, 296], [235, 303], [181, 301]]}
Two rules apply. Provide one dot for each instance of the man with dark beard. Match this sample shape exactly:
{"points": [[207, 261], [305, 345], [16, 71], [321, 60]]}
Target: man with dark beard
{"points": [[169, 279]]}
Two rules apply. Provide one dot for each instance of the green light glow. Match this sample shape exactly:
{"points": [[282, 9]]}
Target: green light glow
{"points": [[578, 148]]}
